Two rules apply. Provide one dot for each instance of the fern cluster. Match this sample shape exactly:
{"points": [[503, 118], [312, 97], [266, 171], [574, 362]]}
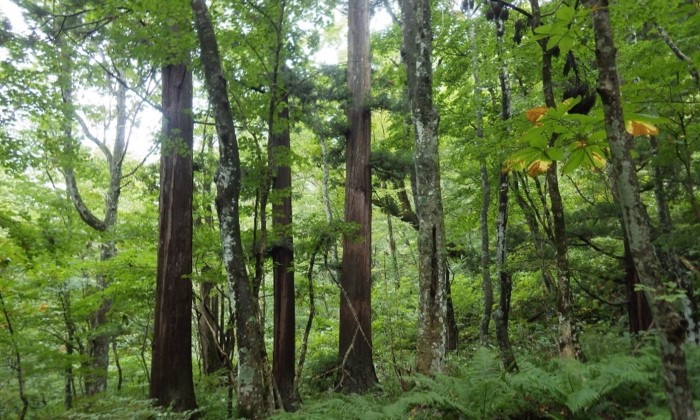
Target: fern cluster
{"points": [[479, 389]]}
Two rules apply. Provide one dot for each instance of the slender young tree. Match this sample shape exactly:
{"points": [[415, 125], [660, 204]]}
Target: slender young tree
{"points": [[670, 323], [252, 394], [417, 54], [355, 344], [98, 344], [501, 315], [569, 345], [171, 365]]}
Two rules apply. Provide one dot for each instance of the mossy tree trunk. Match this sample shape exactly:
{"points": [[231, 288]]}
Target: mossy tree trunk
{"points": [[417, 55], [252, 395], [670, 323]]}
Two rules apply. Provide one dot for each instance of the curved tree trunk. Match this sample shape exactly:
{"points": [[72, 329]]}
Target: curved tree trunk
{"points": [[251, 388], [670, 323], [417, 49], [98, 344]]}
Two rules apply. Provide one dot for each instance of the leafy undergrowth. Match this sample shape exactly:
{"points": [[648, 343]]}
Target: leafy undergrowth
{"points": [[621, 380], [610, 386]]}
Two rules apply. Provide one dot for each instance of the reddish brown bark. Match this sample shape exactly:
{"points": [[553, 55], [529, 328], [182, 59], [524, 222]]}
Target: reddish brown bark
{"points": [[355, 343], [283, 356], [171, 366]]}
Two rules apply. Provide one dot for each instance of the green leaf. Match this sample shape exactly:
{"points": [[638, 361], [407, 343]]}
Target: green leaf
{"points": [[565, 45], [565, 13], [553, 41], [545, 29], [575, 160], [538, 141], [554, 153]]}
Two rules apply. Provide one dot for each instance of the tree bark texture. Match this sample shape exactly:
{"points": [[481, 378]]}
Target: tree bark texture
{"points": [[417, 54], [283, 357], [171, 364], [670, 323], [638, 309], [569, 345], [213, 355], [505, 284], [252, 396], [355, 343]]}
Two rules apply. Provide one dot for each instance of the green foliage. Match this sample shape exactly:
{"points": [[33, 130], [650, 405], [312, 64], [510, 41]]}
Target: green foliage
{"points": [[477, 388], [584, 387]]}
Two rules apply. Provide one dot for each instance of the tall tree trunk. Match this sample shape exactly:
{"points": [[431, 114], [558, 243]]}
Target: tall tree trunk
{"points": [[502, 314], [171, 363], [283, 357], [670, 323], [355, 344], [569, 345], [417, 54], [486, 284], [211, 323], [638, 308], [505, 285], [251, 388]]}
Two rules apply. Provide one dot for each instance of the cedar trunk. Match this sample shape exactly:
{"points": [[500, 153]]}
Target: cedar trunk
{"points": [[283, 356], [171, 366], [670, 323], [355, 344], [417, 54]]}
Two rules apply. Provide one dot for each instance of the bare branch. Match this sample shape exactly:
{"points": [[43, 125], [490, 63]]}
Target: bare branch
{"points": [[86, 130]]}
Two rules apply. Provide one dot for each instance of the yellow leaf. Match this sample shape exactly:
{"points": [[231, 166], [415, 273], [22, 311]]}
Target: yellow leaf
{"points": [[512, 165], [534, 114], [640, 128], [538, 167], [598, 160], [43, 307]]}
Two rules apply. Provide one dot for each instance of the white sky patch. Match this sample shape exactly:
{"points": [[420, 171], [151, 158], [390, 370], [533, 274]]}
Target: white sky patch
{"points": [[14, 14], [335, 50]]}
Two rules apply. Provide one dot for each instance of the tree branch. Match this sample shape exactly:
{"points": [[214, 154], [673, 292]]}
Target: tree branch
{"points": [[79, 204], [677, 51], [86, 130]]}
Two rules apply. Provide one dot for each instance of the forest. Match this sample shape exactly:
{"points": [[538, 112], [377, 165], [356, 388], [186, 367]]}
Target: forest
{"points": [[350, 209]]}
